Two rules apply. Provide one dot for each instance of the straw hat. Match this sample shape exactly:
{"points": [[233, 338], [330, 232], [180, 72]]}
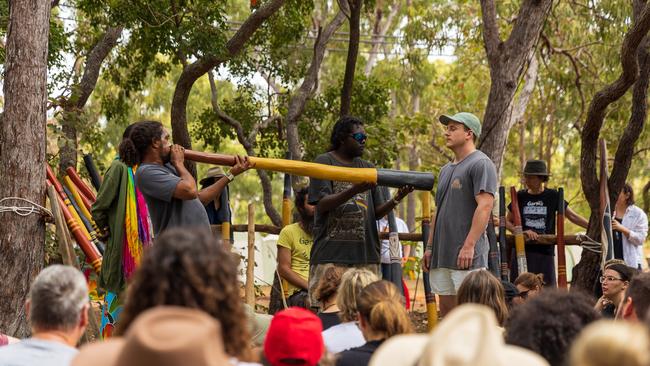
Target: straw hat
{"points": [[214, 172], [162, 336], [468, 336]]}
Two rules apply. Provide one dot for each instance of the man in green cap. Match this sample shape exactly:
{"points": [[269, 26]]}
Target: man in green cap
{"points": [[464, 200]]}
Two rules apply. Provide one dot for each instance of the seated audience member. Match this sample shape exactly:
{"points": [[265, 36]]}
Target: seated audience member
{"points": [[549, 323], [614, 281], [325, 293], [529, 284], [511, 294], [57, 308], [190, 268], [481, 287], [294, 246], [608, 343], [598, 288], [347, 334], [294, 338], [5, 340], [381, 316], [637, 298], [468, 336], [162, 336]]}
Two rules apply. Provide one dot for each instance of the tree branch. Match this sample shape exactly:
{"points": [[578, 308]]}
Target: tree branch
{"points": [[490, 30]]}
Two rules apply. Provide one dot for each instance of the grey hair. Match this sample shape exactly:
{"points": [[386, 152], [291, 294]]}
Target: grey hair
{"points": [[57, 296]]}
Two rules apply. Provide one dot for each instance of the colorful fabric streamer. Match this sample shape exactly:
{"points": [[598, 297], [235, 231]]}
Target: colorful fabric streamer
{"points": [[138, 233]]}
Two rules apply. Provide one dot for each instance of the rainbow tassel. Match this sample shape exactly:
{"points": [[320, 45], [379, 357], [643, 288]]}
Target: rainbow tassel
{"points": [[138, 232]]}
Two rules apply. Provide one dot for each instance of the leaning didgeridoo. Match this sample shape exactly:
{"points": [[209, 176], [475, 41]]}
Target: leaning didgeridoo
{"points": [[520, 248], [561, 258], [383, 177]]}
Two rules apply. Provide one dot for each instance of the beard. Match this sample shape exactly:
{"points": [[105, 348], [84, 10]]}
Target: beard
{"points": [[166, 158]]}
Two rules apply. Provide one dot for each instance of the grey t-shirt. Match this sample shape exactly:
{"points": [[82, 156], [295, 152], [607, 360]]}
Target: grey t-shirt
{"points": [[458, 186], [348, 233], [157, 184], [40, 352]]}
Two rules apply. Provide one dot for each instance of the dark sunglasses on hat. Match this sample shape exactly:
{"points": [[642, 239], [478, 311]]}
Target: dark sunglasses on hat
{"points": [[359, 137]]}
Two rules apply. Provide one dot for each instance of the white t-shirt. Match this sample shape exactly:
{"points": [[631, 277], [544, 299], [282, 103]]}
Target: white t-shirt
{"points": [[382, 226], [37, 352], [342, 337]]}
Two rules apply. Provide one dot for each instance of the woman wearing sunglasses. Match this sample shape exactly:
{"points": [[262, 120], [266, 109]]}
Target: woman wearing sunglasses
{"points": [[529, 285], [614, 282]]}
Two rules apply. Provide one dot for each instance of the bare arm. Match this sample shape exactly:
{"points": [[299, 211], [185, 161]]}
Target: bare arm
{"points": [[210, 193], [576, 219], [186, 187], [384, 209], [284, 268], [510, 222]]}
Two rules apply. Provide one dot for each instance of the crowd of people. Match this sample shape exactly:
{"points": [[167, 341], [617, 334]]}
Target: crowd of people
{"points": [[180, 298]]}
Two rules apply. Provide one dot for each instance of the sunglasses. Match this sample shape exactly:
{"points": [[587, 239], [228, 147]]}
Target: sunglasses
{"points": [[359, 137]]}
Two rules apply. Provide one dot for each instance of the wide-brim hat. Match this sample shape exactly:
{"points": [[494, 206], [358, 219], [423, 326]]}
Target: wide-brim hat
{"points": [[258, 324], [214, 172], [536, 167], [161, 336], [468, 336], [468, 119]]}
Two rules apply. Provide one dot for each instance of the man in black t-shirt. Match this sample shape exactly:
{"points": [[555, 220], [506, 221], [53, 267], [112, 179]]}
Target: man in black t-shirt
{"points": [[345, 229], [538, 207]]}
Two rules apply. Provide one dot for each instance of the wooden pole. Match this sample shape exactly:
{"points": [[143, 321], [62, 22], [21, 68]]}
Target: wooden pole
{"points": [[561, 259], [520, 248], [430, 297], [250, 266]]}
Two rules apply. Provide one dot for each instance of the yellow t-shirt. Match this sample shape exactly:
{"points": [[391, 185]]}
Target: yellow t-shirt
{"points": [[294, 238]]}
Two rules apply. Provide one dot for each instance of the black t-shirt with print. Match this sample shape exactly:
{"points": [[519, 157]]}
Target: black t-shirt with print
{"points": [[538, 213], [348, 233]]}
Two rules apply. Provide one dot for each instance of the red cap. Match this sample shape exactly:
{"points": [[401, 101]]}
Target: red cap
{"points": [[294, 334]]}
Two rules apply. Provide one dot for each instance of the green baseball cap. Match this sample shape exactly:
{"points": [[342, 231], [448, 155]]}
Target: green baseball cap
{"points": [[469, 120]]}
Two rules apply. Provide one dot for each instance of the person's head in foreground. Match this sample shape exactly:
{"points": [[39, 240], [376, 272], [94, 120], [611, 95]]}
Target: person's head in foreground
{"points": [[190, 268], [162, 336], [481, 287], [328, 286], [548, 324], [381, 311], [615, 280], [469, 335], [294, 338], [352, 282], [609, 343], [529, 285], [637, 298], [58, 302]]}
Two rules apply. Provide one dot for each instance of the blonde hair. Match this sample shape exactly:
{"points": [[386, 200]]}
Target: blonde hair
{"points": [[609, 343], [352, 282], [481, 287], [382, 306]]}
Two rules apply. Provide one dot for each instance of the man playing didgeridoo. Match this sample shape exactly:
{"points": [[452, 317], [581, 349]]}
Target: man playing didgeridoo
{"points": [[464, 201], [167, 186], [345, 229]]}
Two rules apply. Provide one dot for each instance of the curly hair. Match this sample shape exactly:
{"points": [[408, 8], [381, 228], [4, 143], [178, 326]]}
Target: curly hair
{"points": [[482, 287], [381, 304], [342, 128], [140, 136], [530, 280], [549, 323], [329, 282], [190, 268]]}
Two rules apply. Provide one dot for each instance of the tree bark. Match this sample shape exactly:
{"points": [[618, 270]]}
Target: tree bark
{"points": [[195, 70], [379, 34], [22, 157], [306, 89], [73, 106], [353, 52], [507, 60], [584, 276]]}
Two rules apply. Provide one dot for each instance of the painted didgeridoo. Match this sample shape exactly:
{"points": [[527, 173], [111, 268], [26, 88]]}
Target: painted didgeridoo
{"points": [[383, 177]]}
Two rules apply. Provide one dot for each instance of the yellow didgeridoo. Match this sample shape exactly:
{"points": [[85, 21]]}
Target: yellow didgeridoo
{"points": [[383, 177]]}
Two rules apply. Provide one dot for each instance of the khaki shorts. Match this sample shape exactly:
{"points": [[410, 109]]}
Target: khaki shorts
{"points": [[445, 281], [316, 272]]}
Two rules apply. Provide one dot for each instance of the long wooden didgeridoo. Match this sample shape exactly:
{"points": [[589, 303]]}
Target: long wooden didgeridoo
{"points": [[607, 238], [383, 177], [429, 296], [82, 187], [519, 235], [561, 258], [505, 270]]}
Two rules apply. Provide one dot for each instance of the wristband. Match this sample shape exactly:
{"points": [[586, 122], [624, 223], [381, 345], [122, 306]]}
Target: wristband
{"points": [[230, 176], [395, 202]]}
